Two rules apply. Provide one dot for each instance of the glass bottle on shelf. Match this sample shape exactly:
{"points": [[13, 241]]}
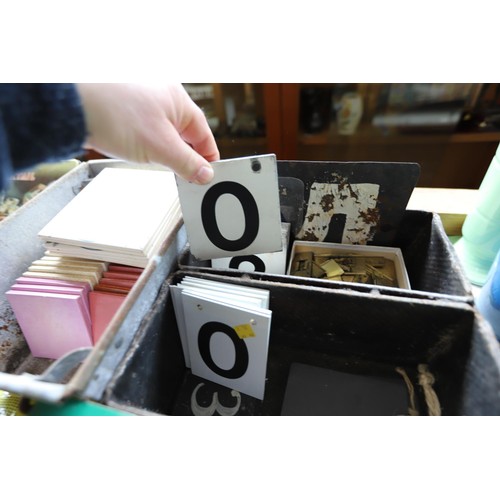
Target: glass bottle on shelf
{"points": [[315, 108]]}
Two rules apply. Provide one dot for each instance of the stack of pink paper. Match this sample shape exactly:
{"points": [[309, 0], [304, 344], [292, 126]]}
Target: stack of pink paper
{"points": [[54, 315], [109, 294], [64, 303]]}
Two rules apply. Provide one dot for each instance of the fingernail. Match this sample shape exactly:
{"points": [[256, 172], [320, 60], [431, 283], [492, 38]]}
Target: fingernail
{"points": [[204, 175]]}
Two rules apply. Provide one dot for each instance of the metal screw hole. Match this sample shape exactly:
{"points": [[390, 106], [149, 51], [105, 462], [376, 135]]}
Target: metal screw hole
{"points": [[256, 166]]}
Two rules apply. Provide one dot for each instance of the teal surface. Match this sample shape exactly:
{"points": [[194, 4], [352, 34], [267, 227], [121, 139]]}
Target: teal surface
{"points": [[75, 408], [481, 228]]}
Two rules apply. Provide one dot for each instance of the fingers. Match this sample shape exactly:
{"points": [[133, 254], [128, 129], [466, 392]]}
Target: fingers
{"points": [[189, 145], [197, 133], [171, 150], [159, 124]]}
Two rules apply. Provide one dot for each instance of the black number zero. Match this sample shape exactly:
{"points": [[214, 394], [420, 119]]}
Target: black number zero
{"points": [[241, 352], [209, 219]]}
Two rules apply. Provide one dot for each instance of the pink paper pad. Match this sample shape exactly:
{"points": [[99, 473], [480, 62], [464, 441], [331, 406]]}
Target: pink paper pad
{"points": [[120, 276], [103, 307], [28, 280], [116, 282], [53, 324], [78, 290], [116, 268]]}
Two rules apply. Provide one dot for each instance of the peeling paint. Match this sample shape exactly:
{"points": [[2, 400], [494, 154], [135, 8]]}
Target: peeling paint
{"points": [[358, 202]]}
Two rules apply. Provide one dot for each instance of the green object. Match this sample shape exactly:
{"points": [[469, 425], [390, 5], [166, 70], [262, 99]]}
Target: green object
{"points": [[75, 408], [481, 229]]}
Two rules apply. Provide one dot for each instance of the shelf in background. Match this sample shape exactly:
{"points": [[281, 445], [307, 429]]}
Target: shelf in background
{"points": [[232, 147], [228, 142], [372, 136]]}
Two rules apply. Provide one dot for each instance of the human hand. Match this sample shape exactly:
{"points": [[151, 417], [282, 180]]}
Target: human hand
{"points": [[150, 124]]}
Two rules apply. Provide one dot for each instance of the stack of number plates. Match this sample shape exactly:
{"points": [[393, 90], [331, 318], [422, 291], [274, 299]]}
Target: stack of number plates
{"points": [[224, 331]]}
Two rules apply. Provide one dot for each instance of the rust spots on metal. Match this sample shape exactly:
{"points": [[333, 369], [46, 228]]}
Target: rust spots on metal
{"points": [[310, 218], [353, 193], [371, 216], [327, 202], [309, 235], [7, 323], [339, 179]]}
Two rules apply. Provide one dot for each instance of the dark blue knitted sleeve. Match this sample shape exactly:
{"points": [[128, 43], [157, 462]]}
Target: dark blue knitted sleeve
{"points": [[38, 123]]}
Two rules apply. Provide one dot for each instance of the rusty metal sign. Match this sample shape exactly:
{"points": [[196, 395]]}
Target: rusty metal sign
{"points": [[355, 203]]}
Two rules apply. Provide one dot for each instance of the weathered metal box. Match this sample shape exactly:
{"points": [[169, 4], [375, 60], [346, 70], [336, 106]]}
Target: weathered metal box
{"points": [[430, 259], [343, 330], [19, 246], [351, 329], [138, 363]]}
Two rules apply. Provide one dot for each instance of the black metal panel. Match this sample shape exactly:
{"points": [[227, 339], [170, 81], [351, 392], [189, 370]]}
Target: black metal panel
{"points": [[430, 258]]}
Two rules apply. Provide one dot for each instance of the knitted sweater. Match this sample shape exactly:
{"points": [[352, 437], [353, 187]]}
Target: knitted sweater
{"points": [[38, 123]]}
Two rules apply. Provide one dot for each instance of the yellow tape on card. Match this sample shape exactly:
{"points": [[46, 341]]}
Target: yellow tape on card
{"points": [[244, 331]]}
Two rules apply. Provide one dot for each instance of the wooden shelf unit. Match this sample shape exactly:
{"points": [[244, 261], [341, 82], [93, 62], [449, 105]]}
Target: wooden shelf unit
{"points": [[447, 160], [456, 160]]}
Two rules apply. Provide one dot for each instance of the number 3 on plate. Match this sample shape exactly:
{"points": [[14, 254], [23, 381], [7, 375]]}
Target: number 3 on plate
{"points": [[238, 213]]}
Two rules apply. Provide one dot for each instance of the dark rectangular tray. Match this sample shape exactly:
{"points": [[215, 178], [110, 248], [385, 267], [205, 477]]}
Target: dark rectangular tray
{"points": [[433, 266], [343, 330]]}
